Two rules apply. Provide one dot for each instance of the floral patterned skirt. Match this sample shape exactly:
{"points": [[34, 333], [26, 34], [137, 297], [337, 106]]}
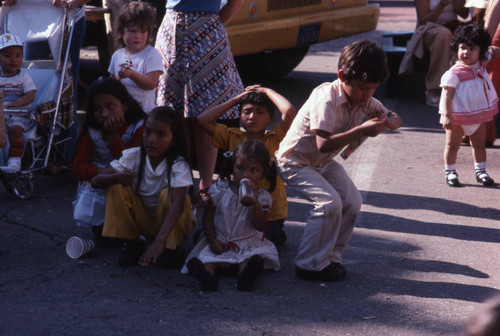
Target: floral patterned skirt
{"points": [[199, 67]]}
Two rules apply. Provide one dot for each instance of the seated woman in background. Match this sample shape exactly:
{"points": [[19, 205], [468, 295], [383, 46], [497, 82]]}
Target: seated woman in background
{"points": [[436, 20]]}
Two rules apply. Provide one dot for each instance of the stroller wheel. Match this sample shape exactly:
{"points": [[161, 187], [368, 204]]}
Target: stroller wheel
{"points": [[23, 186]]}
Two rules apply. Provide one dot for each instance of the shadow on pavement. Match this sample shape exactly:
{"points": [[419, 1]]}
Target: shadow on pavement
{"points": [[450, 207]]}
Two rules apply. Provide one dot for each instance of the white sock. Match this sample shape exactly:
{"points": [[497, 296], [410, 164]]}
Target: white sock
{"points": [[480, 166], [452, 167]]}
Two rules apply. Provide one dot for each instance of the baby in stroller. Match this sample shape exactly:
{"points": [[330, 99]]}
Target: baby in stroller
{"points": [[18, 91]]}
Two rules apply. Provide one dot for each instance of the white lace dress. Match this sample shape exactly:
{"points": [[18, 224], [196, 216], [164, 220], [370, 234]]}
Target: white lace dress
{"points": [[232, 223]]}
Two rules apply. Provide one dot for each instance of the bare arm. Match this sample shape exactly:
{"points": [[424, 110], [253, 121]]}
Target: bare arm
{"points": [[286, 108], [26, 99], [227, 12], [393, 120], [327, 142], [496, 51], [460, 9], [426, 14], [492, 17], [178, 195], [148, 81], [259, 216], [447, 117], [216, 245], [110, 176], [208, 118]]}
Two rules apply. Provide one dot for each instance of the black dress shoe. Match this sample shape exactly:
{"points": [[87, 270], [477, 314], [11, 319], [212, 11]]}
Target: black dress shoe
{"points": [[484, 178], [452, 179]]}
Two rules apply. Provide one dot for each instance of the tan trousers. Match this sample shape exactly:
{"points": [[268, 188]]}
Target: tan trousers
{"points": [[437, 43], [337, 203], [127, 217]]}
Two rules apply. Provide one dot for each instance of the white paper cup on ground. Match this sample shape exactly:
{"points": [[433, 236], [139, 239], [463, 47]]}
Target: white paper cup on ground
{"points": [[77, 247]]}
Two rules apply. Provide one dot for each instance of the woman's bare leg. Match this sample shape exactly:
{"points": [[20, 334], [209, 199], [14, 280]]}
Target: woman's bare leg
{"points": [[206, 154]]}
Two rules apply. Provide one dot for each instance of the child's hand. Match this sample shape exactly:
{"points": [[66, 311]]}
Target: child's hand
{"points": [[496, 50], [374, 126], [126, 177], [125, 72], [152, 253], [447, 122], [375, 114], [393, 121], [217, 246], [113, 124], [255, 87]]}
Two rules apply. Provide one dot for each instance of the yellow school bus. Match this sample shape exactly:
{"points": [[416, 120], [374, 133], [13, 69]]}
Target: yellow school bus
{"points": [[274, 35]]}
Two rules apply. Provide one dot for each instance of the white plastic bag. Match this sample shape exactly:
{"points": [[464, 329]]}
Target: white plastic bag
{"points": [[89, 206]]}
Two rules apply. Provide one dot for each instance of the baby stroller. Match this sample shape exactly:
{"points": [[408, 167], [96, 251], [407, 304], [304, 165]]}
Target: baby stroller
{"points": [[46, 32]]}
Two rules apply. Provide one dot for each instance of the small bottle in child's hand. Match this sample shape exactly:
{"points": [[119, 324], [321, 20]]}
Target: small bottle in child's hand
{"points": [[246, 193]]}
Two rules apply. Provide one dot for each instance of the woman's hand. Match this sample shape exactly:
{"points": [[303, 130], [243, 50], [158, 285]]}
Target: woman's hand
{"points": [[152, 253]]}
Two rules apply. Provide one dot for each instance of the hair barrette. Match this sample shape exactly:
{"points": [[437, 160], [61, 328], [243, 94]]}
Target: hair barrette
{"points": [[362, 75]]}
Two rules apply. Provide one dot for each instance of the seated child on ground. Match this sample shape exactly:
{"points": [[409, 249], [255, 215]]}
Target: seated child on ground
{"points": [[19, 91], [138, 65], [147, 194], [257, 106], [114, 122], [231, 226], [331, 119]]}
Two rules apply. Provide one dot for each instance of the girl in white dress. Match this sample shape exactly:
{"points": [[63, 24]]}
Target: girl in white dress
{"points": [[231, 229], [469, 100]]}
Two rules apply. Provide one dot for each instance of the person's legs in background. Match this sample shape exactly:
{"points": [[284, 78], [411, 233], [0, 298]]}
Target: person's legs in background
{"points": [[494, 69], [439, 63]]}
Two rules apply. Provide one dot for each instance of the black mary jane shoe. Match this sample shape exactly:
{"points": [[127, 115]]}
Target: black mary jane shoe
{"points": [[452, 179], [485, 179]]}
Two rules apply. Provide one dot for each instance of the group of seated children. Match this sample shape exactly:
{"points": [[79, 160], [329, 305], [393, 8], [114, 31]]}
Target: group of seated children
{"points": [[141, 166], [134, 180]]}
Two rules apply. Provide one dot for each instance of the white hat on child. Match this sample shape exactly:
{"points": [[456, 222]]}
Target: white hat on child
{"points": [[9, 40]]}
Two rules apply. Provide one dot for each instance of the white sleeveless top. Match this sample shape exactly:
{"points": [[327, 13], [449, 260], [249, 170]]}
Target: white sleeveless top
{"points": [[448, 13]]}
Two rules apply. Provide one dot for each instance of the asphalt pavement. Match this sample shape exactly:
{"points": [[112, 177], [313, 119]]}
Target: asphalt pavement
{"points": [[422, 257]]}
